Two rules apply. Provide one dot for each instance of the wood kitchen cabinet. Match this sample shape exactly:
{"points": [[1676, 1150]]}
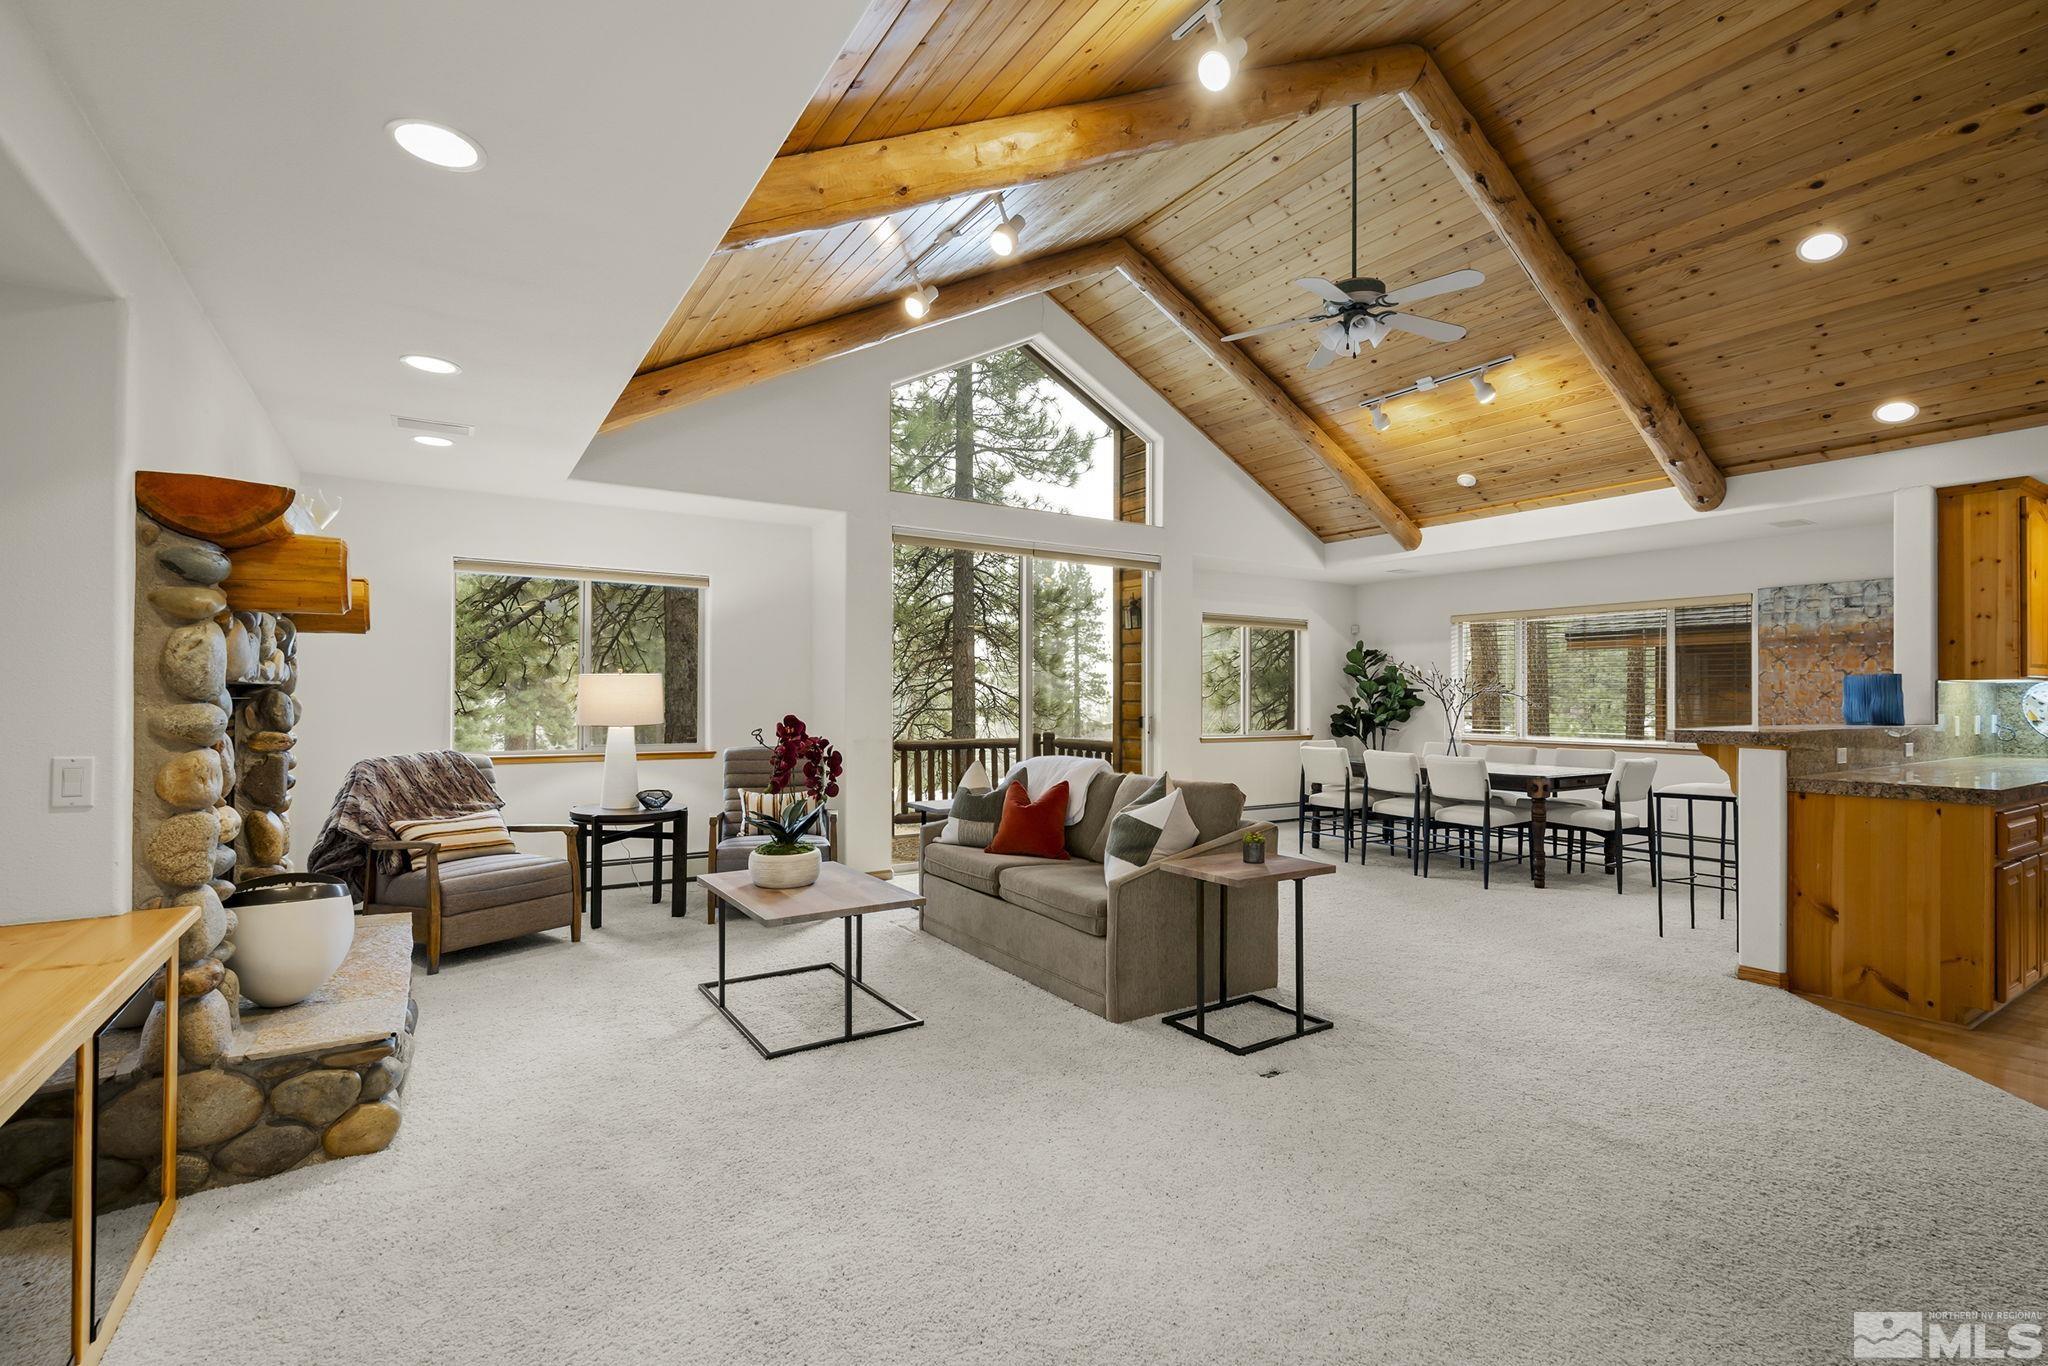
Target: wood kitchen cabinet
{"points": [[2022, 924], [1993, 597]]}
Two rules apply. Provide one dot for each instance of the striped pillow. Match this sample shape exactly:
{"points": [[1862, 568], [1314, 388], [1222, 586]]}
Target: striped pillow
{"points": [[467, 836]]}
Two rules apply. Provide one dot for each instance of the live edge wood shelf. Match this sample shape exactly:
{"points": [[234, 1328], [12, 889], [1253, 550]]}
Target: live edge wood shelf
{"points": [[60, 982]]}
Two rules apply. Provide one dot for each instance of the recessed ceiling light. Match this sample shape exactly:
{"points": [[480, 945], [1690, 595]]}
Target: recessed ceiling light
{"points": [[433, 365], [1468, 481], [1898, 410], [431, 142], [1822, 246], [433, 441]]}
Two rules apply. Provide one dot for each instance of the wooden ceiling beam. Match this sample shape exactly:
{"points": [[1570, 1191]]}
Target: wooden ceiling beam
{"points": [[1169, 298], [737, 367], [1463, 145], [834, 186]]}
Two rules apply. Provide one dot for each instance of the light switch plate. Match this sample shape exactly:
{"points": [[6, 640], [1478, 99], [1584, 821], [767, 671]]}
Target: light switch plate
{"points": [[71, 780], [1841, 756], [1909, 749]]}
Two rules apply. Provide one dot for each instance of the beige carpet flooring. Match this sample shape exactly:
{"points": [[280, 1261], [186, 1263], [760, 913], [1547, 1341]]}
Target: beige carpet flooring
{"points": [[1538, 1134]]}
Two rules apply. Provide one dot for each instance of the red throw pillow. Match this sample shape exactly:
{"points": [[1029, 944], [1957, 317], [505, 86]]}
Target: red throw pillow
{"points": [[1036, 829]]}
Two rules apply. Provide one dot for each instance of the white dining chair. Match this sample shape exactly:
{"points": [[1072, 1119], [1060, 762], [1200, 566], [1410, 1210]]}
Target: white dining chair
{"points": [[1393, 796], [1457, 798], [1329, 793], [1623, 811]]}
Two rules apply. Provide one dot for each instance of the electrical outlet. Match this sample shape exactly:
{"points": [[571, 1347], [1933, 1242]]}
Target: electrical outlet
{"points": [[71, 780], [1976, 724], [1841, 756], [1909, 749]]}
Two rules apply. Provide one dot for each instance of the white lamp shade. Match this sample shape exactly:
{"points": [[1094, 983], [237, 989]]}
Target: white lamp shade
{"points": [[618, 699]]}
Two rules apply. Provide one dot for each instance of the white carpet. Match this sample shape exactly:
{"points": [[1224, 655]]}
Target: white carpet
{"points": [[1537, 1134]]}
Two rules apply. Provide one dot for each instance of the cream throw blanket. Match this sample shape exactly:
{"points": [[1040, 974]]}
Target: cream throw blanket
{"points": [[1042, 774]]}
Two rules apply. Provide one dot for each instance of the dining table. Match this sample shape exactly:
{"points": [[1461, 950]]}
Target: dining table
{"points": [[1539, 783]]}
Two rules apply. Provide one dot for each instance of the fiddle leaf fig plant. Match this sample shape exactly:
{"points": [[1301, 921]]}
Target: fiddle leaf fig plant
{"points": [[1382, 697]]}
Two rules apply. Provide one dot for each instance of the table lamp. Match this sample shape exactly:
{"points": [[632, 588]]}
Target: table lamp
{"points": [[619, 702]]}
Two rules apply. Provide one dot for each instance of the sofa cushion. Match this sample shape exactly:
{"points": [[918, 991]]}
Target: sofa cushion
{"points": [[1148, 831], [1087, 836], [1037, 828], [975, 869], [1072, 893], [477, 884]]}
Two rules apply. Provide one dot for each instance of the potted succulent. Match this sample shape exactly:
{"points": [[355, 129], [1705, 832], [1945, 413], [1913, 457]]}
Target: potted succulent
{"points": [[1255, 846], [805, 775]]}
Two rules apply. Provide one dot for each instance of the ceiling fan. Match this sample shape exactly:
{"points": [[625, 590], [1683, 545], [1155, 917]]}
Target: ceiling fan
{"points": [[1362, 311]]}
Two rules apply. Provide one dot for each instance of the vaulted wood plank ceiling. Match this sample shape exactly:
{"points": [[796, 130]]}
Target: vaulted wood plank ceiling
{"points": [[1678, 149]]}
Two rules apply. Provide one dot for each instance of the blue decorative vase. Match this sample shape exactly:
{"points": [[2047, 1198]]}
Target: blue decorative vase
{"points": [[1873, 700]]}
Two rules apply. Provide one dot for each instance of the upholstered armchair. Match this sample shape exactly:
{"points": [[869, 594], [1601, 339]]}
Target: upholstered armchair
{"points": [[480, 900], [749, 768]]}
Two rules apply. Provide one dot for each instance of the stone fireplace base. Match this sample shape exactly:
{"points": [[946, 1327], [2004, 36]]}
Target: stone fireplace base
{"points": [[299, 1085]]}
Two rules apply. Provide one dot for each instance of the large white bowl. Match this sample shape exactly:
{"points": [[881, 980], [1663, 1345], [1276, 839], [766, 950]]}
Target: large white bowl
{"points": [[284, 952]]}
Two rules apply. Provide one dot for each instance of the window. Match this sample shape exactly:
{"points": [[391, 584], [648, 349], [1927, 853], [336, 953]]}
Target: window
{"points": [[1630, 672], [1251, 677], [523, 633], [1010, 429]]}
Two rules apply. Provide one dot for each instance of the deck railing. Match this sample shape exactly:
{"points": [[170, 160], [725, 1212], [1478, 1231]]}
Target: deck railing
{"points": [[929, 770]]}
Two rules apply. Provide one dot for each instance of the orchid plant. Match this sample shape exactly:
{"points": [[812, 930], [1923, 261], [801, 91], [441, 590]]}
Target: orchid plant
{"points": [[805, 771]]}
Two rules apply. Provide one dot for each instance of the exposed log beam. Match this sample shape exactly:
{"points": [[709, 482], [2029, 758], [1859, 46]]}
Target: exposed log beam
{"points": [[809, 191], [1464, 147], [693, 381], [736, 367], [1148, 279]]}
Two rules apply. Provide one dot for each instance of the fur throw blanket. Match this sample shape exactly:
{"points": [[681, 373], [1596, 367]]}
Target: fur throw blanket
{"points": [[404, 787]]}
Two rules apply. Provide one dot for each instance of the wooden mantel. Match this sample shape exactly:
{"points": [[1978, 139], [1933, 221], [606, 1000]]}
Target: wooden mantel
{"points": [[279, 564]]}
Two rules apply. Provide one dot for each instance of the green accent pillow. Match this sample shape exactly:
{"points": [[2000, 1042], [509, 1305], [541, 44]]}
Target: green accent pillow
{"points": [[974, 817]]}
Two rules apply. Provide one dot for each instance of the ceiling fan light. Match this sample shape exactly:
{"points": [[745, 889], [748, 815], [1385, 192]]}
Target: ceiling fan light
{"points": [[919, 301]]}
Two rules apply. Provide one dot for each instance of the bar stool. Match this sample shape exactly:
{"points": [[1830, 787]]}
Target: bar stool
{"points": [[1717, 868]]}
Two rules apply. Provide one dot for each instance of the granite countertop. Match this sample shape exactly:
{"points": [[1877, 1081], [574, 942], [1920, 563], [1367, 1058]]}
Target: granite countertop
{"points": [[1771, 736], [1976, 780]]}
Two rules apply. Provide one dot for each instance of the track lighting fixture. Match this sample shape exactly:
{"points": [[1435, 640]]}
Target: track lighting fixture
{"points": [[1003, 240], [1224, 55], [919, 301], [1481, 390]]}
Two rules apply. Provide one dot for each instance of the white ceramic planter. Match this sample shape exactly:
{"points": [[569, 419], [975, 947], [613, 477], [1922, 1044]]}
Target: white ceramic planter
{"points": [[284, 952], [782, 871]]}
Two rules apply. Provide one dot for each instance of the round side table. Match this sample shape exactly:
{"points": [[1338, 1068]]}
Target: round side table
{"points": [[598, 826]]}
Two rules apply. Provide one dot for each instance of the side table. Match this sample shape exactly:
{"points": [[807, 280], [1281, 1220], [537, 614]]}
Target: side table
{"points": [[1226, 870], [597, 826]]}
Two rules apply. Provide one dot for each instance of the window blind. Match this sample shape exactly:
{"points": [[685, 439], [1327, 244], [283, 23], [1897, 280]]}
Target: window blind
{"points": [[1491, 652], [1714, 665]]}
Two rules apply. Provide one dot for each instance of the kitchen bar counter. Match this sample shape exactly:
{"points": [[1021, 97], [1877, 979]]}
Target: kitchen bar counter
{"points": [[2000, 780]]}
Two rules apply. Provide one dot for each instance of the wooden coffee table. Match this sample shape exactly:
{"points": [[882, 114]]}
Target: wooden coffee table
{"points": [[1225, 870], [839, 893]]}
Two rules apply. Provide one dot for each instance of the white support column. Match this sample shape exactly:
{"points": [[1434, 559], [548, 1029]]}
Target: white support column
{"points": [[1916, 570], [1760, 778]]}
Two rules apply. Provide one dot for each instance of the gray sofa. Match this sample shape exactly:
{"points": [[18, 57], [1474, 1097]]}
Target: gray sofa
{"points": [[1124, 950]]}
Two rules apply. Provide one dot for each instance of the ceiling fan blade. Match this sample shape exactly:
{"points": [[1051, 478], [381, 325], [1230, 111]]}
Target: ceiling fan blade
{"points": [[1323, 289], [1425, 327], [1429, 289], [1323, 356], [1276, 327]]}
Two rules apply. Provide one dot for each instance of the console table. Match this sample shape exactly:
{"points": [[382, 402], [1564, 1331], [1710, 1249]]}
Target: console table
{"points": [[61, 983]]}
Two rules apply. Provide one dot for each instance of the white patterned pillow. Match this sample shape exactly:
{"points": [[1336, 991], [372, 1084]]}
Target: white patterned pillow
{"points": [[1146, 832], [974, 818]]}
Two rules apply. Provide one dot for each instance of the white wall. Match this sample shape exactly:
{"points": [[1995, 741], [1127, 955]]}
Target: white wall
{"points": [[107, 365], [389, 692], [820, 439], [1411, 618]]}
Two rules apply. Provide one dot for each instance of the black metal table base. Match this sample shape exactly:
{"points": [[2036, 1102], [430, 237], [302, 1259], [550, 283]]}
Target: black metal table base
{"points": [[1305, 1024], [714, 992]]}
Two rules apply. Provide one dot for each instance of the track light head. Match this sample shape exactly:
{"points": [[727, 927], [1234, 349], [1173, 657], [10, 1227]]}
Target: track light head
{"points": [[1380, 420], [1007, 235], [919, 302], [1483, 391], [1220, 62]]}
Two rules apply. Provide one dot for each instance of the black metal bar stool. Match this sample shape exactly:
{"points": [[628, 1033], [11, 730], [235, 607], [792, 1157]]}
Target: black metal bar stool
{"points": [[1717, 868]]}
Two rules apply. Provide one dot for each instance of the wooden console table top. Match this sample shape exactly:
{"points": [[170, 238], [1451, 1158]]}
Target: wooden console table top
{"points": [[60, 979]]}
